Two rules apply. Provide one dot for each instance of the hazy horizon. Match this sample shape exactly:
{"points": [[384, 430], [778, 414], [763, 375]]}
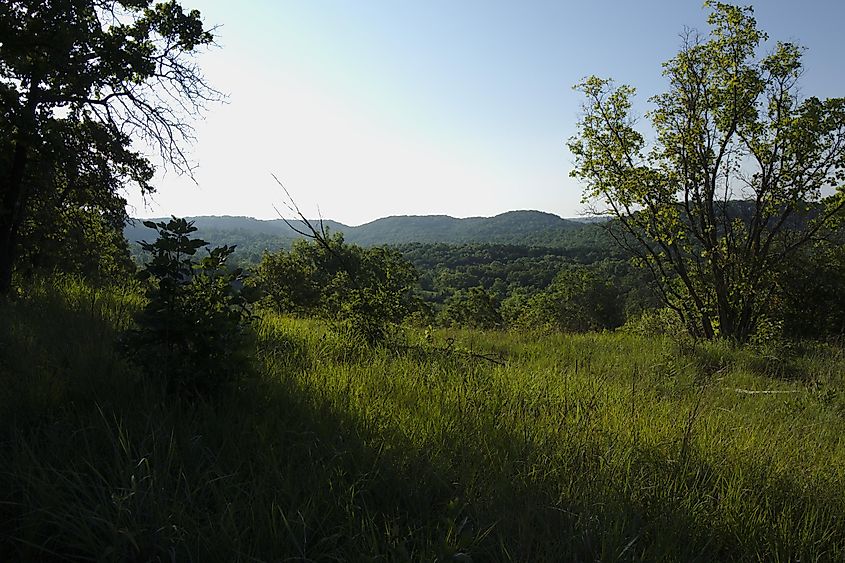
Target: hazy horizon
{"points": [[446, 215], [375, 109]]}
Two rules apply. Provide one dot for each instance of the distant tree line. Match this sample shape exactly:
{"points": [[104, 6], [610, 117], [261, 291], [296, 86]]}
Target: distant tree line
{"points": [[518, 287]]}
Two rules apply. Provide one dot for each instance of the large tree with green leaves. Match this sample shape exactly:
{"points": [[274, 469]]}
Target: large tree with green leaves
{"points": [[84, 86], [742, 172]]}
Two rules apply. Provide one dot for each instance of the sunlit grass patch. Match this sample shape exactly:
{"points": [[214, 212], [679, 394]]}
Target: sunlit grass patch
{"points": [[565, 447]]}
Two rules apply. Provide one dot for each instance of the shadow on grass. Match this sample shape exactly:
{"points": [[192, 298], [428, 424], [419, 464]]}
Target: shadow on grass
{"points": [[110, 468]]}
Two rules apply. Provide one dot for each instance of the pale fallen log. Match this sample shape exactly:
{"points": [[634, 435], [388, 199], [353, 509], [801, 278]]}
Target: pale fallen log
{"points": [[764, 392]]}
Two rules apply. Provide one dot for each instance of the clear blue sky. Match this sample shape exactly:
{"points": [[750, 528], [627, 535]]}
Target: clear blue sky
{"points": [[461, 107]]}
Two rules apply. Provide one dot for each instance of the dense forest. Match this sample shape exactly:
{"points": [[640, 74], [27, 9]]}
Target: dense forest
{"points": [[660, 382], [522, 228], [468, 278]]}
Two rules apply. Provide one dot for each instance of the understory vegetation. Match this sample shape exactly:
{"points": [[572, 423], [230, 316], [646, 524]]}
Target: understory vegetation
{"points": [[448, 445]]}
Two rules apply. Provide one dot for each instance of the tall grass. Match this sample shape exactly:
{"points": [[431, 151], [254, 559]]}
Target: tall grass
{"points": [[578, 448]]}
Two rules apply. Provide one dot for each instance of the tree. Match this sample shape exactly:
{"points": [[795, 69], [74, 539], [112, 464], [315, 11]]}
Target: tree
{"points": [[80, 82], [813, 281], [474, 307], [580, 299], [367, 290], [191, 333], [78, 232], [731, 185]]}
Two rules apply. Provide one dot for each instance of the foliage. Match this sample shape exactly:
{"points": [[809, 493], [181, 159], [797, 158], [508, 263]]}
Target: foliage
{"points": [[731, 126], [477, 285], [191, 331], [366, 290], [812, 301], [501, 269], [76, 233], [80, 82], [656, 322], [578, 300], [513, 273], [473, 308]]}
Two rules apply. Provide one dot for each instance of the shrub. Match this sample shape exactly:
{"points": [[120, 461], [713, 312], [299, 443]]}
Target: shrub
{"points": [[578, 300], [366, 292], [191, 331], [659, 321], [474, 307]]}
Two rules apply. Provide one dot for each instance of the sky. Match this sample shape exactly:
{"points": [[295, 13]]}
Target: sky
{"points": [[371, 108]]}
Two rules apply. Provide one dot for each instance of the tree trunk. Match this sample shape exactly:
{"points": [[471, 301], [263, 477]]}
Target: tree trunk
{"points": [[7, 247], [12, 205]]}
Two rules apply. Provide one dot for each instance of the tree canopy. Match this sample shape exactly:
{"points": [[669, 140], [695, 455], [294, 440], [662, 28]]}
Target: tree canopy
{"points": [[734, 181], [83, 85], [366, 289]]}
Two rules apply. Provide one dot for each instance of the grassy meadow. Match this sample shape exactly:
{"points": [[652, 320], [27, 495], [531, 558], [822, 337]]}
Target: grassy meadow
{"points": [[443, 446]]}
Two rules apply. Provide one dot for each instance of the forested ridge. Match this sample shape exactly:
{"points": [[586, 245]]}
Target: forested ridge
{"points": [[660, 381], [515, 227]]}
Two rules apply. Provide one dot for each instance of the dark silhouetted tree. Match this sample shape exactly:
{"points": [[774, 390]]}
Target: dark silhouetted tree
{"points": [[81, 81]]}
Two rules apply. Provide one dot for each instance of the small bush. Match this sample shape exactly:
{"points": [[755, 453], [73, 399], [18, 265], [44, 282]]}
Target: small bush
{"points": [[192, 331], [651, 322]]}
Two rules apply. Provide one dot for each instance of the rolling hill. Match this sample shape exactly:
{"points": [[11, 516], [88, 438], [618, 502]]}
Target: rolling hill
{"points": [[532, 228]]}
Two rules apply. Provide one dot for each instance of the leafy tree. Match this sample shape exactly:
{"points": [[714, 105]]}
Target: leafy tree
{"points": [[724, 194], [191, 332], [81, 233], [292, 280], [579, 300], [812, 304], [474, 307], [80, 82], [366, 290]]}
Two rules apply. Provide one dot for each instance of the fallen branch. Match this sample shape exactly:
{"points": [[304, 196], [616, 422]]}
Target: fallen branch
{"points": [[449, 350], [764, 392]]}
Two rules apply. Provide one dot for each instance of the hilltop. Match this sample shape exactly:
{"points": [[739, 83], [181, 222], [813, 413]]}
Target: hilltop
{"points": [[533, 228]]}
